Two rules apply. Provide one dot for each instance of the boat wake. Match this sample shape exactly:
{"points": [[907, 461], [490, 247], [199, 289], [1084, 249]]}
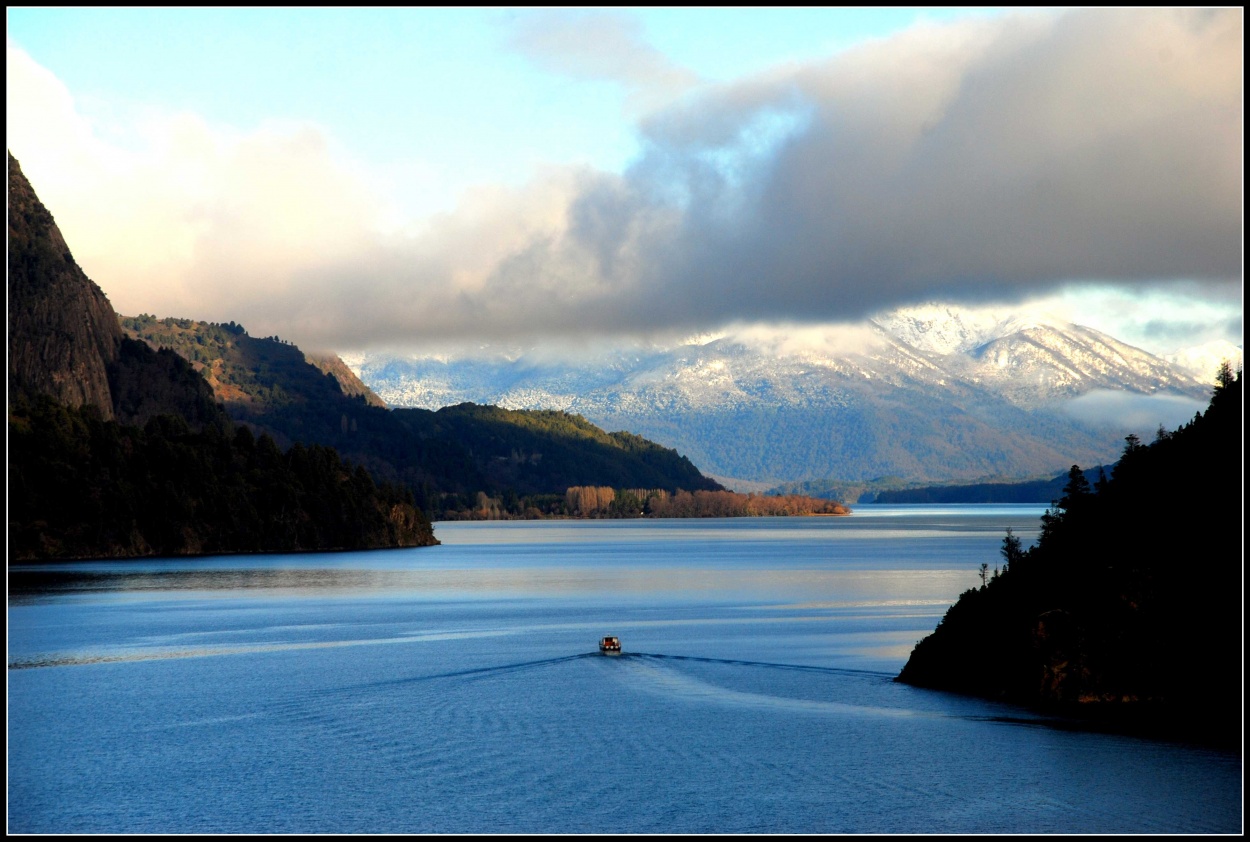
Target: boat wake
{"points": [[666, 675], [742, 663], [498, 669]]}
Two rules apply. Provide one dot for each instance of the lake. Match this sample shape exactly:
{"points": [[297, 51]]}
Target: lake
{"points": [[458, 689]]}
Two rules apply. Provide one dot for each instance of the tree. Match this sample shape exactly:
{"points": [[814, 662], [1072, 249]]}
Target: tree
{"points": [[1011, 550], [1227, 386], [1076, 490], [1224, 377]]}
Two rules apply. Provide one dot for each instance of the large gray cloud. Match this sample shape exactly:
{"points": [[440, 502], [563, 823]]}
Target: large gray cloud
{"points": [[1100, 145], [985, 160]]}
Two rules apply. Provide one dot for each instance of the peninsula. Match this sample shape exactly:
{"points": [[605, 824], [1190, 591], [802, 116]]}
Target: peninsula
{"points": [[1127, 612]]}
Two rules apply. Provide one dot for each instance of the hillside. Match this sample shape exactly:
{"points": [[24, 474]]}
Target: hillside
{"points": [[1128, 609], [119, 450], [446, 457]]}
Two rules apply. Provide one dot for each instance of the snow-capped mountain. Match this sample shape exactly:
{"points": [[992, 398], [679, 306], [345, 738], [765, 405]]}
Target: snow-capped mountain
{"points": [[1034, 359], [1203, 361], [930, 394]]}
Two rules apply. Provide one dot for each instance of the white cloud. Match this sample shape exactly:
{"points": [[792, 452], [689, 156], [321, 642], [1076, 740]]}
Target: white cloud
{"points": [[195, 220]]}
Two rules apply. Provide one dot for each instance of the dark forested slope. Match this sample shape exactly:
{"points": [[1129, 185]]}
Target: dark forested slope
{"points": [[1129, 606], [84, 487]]}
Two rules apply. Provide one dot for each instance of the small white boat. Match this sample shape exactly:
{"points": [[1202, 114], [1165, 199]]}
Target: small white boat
{"points": [[610, 646]]}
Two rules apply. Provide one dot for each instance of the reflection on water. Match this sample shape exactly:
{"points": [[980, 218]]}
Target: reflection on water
{"points": [[837, 588]]}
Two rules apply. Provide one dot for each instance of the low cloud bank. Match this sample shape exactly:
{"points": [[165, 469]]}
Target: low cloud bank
{"points": [[1142, 415]]}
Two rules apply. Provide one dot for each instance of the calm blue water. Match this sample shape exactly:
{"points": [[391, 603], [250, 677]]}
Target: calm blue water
{"points": [[458, 689]]}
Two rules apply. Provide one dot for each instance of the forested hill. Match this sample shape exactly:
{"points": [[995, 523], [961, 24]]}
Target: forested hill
{"points": [[1028, 491], [1128, 609], [116, 449], [446, 457], [84, 487]]}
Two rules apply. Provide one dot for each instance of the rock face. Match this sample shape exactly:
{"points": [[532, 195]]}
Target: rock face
{"points": [[63, 333], [66, 342]]}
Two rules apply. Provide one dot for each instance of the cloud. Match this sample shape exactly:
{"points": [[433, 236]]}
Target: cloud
{"points": [[819, 342], [991, 160], [194, 219], [1143, 414], [988, 160], [1160, 318], [602, 46]]}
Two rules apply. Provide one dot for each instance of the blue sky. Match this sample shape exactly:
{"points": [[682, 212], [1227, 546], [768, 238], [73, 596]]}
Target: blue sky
{"points": [[446, 87], [350, 179]]}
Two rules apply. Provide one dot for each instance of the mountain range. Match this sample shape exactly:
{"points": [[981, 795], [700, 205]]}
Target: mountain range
{"points": [[926, 394]]}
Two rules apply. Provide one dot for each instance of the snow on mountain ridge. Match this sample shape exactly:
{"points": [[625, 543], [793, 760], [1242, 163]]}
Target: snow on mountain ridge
{"points": [[944, 329], [1030, 359], [887, 397]]}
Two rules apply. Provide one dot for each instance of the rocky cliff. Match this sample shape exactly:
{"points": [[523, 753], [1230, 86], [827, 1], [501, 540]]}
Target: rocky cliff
{"points": [[65, 340], [63, 333]]}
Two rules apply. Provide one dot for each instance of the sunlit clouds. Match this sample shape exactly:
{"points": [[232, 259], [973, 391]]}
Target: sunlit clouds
{"points": [[992, 160]]}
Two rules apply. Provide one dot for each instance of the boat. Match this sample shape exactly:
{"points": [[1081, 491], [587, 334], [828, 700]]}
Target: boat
{"points": [[610, 646]]}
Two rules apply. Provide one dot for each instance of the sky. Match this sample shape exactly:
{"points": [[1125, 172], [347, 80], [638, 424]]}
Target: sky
{"points": [[369, 179]]}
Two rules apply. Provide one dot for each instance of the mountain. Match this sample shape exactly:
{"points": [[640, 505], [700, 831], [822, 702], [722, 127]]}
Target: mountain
{"points": [[64, 338], [926, 395], [119, 450], [1035, 360], [349, 383], [446, 457], [1128, 609]]}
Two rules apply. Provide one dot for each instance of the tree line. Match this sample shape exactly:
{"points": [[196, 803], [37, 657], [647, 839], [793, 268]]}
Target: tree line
{"points": [[84, 487], [588, 501]]}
